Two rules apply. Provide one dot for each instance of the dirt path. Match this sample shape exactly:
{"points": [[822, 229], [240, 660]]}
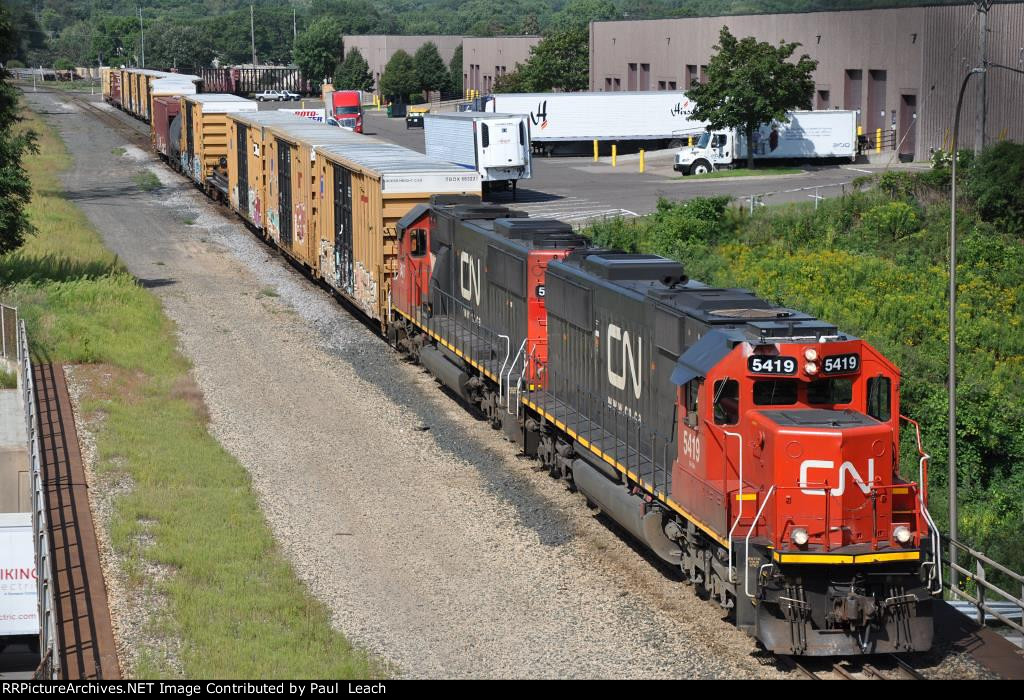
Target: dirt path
{"points": [[431, 542]]}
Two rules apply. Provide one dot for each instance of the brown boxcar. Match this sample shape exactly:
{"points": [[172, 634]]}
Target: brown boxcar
{"points": [[165, 109]]}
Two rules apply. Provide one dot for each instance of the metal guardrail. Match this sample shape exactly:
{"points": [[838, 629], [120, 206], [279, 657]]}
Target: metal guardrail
{"points": [[980, 598], [49, 666]]}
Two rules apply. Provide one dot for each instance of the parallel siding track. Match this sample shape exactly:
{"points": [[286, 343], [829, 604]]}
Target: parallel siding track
{"points": [[85, 637]]}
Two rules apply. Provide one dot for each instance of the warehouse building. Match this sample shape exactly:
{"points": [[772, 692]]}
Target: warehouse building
{"points": [[378, 49], [485, 59], [900, 68]]}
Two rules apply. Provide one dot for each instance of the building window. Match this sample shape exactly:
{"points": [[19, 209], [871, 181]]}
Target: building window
{"points": [[631, 77], [618, 84], [703, 74], [607, 84], [661, 84], [671, 85], [645, 76], [824, 101]]}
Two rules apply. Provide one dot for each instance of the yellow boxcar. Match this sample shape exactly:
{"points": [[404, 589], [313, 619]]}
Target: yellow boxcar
{"points": [[366, 188], [294, 187], [247, 162], [204, 133]]}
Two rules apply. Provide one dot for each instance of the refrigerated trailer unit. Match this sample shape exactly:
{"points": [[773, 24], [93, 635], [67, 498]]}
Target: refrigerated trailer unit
{"points": [[496, 146], [19, 600], [660, 118], [806, 136]]}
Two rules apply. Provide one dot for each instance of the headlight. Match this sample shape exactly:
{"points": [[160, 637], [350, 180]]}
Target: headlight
{"points": [[799, 536], [902, 534], [811, 368], [811, 354]]}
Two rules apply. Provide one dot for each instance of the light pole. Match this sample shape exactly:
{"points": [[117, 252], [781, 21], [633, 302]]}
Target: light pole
{"points": [[953, 529]]}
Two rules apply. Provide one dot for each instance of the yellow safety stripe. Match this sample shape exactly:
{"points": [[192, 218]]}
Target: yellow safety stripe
{"points": [[901, 491], [873, 558]]}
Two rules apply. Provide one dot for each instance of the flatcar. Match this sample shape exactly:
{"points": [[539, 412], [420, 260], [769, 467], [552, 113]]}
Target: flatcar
{"points": [[754, 447]]}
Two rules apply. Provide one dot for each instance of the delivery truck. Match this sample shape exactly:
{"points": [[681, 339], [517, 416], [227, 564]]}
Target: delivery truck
{"points": [[820, 135], [497, 146], [562, 121], [19, 595]]}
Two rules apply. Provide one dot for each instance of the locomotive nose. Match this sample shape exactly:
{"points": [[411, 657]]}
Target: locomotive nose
{"points": [[833, 471]]}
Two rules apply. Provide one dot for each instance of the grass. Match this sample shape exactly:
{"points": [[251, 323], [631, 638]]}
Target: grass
{"points": [[268, 292], [232, 600], [147, 181], [118, 151], [743, 172], [8, 378]]}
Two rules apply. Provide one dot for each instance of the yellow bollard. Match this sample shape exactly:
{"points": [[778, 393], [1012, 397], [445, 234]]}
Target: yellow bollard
{"points": [[615, 153], [860, 130], [595, 150], [878, 140], [302, 104], [689, 141], [641, 160]]}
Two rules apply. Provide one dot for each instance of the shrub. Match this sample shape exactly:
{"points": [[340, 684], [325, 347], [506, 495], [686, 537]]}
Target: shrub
{"points": [[893, 220], [996, 184]]}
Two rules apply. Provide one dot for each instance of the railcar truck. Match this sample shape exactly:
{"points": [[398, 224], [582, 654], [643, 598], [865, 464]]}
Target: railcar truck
{"points": [[806, 136]]}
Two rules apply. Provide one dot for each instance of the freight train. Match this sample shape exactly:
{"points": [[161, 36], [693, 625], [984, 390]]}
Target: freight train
{"points": [[752, 447]]}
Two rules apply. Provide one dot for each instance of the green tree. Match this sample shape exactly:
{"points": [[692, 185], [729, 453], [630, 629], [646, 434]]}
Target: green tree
{"points": [[114, 39], [318, 49], [353, 73], [75, 44], [516, 80], [179, 46], [455, 70], [751, 82], [431, 73], [399, 79], [15, 188], [560, 61], [580, 13]]}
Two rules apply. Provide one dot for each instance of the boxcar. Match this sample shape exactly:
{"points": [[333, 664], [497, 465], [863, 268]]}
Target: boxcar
{"points": [[366, 188], [204, 134]]}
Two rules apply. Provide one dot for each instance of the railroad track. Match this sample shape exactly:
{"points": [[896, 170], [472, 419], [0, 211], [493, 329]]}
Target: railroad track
{"points": [[85, 638], [884, 667], [137, 131]]}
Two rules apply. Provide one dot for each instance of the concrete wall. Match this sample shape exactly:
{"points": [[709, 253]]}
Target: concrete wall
{"points": [[486, 58], [901, 68], [378, 49], [15, 467]]}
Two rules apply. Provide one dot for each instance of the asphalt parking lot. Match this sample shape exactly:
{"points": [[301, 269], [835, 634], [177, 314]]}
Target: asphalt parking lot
{"points": [[577, 189]]}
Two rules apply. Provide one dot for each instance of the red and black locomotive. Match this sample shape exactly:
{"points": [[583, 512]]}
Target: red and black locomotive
{"points": [[754, 447]]}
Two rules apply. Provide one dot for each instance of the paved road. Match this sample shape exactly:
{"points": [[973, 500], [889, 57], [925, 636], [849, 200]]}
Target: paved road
{"points": [[577, 189]]}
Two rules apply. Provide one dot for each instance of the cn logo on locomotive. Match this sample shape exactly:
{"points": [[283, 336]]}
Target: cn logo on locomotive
{"points": [[629, 360], [469, 279], [844, 469]]}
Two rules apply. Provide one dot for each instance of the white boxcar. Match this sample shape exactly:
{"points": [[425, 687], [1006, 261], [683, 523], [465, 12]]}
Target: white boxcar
{"points": [[19, 599], [497, 146], [602, 116]]}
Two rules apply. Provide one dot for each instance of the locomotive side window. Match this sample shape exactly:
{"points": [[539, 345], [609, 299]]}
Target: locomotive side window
{"points": [[775, 392], [419, 242], [830, 391], [879, 399], [727, 402], [693, 388]]}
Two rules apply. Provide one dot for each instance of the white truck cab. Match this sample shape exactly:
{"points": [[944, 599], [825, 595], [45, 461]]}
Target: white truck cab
{"points": [[713, 150]]}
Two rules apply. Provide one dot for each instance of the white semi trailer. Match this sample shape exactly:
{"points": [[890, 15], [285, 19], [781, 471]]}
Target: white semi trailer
{"points": [[497, 146], [19, 599], [659, 119], [806, 136]]}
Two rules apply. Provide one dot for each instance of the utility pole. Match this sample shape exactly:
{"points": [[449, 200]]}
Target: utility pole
{"points": [[983, 7], [142, 31], [295, 31], [252, 35]]}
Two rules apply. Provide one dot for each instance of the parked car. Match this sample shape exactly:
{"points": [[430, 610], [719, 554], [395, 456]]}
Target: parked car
{"points": [[270, 96], [289, 95]]}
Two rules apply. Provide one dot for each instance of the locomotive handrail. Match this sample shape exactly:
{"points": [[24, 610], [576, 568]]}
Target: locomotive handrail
{"points": [[725, 490], [511, 367], [984, 586], [922, 479], [746, 543]]}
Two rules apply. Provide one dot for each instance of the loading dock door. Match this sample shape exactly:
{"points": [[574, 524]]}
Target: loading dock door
{"points": [[284, 191], [343, 226], [908, 125], [242, 153]]}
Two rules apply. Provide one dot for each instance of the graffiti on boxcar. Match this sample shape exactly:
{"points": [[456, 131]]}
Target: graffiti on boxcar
{"points": [[365, 289], [255, 213], [272, 224], [300, 222]]}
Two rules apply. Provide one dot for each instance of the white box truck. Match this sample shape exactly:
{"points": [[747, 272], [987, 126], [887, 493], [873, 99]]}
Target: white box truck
{"points": [[807, 136], [660, 119], [19, 597], [495, 145]]}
